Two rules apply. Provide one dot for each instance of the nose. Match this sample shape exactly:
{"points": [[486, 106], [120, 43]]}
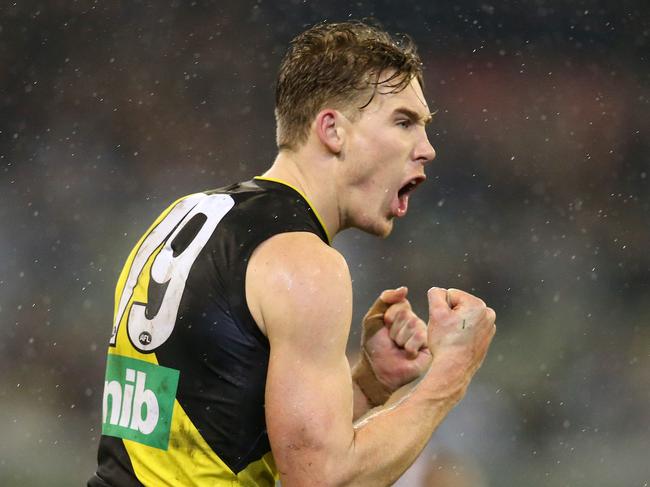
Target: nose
{"points": [[424, 152]]}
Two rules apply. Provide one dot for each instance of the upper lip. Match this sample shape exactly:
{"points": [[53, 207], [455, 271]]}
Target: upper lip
{"points": [[410, 184]]}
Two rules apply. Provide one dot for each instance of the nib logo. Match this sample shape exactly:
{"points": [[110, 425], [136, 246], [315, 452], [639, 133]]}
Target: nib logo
{"points": [[138, 401], [128, 412]]}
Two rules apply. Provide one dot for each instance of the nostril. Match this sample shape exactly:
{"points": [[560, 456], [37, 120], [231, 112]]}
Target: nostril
{"points": [[427, 154]]}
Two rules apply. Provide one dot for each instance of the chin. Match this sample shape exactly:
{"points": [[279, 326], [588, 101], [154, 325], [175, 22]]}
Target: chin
{"points": [[379, 225], [379, 228], [388, 230]]}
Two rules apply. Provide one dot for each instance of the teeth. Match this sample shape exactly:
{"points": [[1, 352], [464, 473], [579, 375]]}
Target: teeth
{"points": [[408, 187]]}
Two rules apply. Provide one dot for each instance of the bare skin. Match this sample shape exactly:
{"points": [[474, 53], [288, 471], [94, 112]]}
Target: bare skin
{"points": [[299, 292]]}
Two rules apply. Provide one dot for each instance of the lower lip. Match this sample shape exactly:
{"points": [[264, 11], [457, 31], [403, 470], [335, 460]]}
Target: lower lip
{"points": [[400, 205]]}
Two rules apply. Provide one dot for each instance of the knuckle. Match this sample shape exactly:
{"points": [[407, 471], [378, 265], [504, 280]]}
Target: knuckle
{"points": [[393, 332], [389, 315], [491, 314], [400, 315], [477, 302], [460, 293], [476, 307]]}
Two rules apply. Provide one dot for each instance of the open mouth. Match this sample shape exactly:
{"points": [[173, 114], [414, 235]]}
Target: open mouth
{"points": [[404, 193], [410, 186]]}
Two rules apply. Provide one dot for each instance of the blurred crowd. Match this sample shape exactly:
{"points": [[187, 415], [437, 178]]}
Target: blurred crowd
{"points": [[538, 202]]}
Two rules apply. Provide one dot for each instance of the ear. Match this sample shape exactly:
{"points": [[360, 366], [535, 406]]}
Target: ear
{"points": [[329, 129]]}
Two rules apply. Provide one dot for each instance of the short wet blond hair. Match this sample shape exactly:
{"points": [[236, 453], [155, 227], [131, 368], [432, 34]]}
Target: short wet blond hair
{"points": [[338, 65]]}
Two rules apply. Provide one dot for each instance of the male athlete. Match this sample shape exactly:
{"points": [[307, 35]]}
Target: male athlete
{"points": [[227, 362]]}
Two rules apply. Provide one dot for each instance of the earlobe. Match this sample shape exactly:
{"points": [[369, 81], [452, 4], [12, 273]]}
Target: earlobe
{"points": [[329, 130]]}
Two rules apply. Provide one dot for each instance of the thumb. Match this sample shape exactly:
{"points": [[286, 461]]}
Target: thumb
{"points": [[386, 299], [439, 303], [374, 319]]}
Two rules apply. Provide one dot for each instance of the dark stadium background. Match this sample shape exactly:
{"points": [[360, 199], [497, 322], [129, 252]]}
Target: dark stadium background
{"points": [[538, 201]]}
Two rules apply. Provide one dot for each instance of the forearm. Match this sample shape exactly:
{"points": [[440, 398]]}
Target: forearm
{"points": [[389, 439], [386, 443], [363, 405]]}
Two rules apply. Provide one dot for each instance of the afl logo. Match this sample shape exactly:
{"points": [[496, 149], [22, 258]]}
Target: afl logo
{"points": [[145, 338]]}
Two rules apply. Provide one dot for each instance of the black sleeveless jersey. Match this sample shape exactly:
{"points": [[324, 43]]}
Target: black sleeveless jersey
{"points": [[186, 370]]}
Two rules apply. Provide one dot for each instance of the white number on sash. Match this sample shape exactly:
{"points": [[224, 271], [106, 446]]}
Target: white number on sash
{"points": [[148, 330]]}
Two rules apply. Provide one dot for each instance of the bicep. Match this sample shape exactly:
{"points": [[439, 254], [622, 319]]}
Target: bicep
{"points": [[308, 414], [303, 294]]}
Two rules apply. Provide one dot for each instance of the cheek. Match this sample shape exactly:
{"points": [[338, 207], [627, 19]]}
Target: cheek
{"points": [[374, 165], [377, 183]]}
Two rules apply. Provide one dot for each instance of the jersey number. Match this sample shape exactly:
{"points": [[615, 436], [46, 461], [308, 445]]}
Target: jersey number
{"points": [[182, 233]]}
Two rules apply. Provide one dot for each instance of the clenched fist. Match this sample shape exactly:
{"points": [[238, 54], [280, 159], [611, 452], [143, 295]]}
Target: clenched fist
{"points": [[460, 330], [393, 346]]}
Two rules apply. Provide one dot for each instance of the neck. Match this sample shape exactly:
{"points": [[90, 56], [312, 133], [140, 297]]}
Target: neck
{"points": [[315, 178]]}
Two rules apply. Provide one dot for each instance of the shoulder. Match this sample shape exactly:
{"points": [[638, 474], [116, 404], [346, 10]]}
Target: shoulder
{"points": [[294, 278], [301, 253]]}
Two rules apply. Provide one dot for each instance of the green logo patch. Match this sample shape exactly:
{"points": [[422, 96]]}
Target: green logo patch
{"points": [[138, 401]]}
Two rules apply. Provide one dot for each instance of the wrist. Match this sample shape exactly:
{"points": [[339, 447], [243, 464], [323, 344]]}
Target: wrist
{"points": [[446, 379], [372, 388]]}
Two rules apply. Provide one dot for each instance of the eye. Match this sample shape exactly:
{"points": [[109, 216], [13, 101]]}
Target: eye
{"points": [[405, 123]]}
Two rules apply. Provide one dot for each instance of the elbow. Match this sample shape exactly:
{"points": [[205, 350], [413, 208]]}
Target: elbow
{"points": [[315, 479], [338, 474], [315, 469]]}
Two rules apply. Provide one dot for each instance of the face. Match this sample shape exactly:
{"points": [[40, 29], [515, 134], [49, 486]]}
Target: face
{"points": [[383, 159]]}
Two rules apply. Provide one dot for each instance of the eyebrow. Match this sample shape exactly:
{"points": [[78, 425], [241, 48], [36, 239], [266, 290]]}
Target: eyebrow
{"points": [[414, 116]]}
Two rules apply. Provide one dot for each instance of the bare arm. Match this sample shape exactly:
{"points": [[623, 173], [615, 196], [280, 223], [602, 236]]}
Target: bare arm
{"points": [[299, 291]]}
